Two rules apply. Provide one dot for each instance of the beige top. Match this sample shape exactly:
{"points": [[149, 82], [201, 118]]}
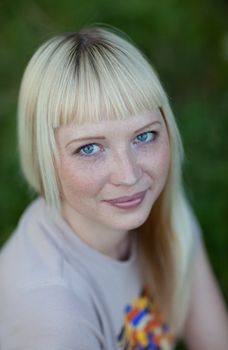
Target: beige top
{"points": [[57, 293]]}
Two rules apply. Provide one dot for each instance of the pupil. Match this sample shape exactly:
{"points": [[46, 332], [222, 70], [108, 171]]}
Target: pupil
{"points": [[143, 136], [88, 149]]}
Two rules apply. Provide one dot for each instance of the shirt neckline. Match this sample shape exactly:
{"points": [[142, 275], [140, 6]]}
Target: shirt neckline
{"points": [[79, 248]]}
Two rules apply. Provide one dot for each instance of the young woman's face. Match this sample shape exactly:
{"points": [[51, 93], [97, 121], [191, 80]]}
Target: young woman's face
{"points": [[112, 172]]}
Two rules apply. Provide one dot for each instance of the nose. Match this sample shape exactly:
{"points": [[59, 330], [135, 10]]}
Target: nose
{"points": [[125, 169]]}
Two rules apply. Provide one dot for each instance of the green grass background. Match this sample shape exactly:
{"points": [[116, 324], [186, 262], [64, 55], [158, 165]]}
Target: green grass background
{"points": [[187, 42]]}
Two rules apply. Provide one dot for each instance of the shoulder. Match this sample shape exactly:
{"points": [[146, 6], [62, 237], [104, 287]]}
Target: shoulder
{"points": [[30, 257], [39, 308], [35, 256], [207, 321], [51, 317]]}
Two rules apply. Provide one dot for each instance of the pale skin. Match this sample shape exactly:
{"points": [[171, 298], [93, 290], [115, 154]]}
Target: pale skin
{"points": [[126, 157], [111, 159]]}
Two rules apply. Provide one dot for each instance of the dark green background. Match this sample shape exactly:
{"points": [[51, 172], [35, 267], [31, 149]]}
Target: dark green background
{"points": [[187, 42]]}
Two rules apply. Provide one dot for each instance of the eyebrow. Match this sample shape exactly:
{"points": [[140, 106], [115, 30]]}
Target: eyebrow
{"points": [[147, 126], [87, 138]]}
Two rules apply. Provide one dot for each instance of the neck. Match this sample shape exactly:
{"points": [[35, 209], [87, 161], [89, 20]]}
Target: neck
{"points": [[110, 242]]}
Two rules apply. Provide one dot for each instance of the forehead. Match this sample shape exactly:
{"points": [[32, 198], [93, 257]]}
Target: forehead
{"points": [[110, 127]]}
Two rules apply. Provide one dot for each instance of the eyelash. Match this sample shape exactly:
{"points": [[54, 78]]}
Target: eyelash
{"points": [[80, 149]]}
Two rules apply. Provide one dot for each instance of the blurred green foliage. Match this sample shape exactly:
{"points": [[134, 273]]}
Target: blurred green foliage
{"points": [[187, 42]]}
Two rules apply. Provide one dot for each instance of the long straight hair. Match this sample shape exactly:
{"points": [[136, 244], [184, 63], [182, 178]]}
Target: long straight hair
{"points": [[92, 75]]}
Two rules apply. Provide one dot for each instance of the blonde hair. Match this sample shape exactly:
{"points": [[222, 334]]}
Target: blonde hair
{"points": [[96, 74]]}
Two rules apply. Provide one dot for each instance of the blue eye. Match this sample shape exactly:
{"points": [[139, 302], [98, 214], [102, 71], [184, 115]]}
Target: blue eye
{"points": [[89, 149], [146, 136]]}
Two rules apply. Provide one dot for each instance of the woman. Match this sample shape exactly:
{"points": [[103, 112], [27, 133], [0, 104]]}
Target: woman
{"points": [[110, 255]]}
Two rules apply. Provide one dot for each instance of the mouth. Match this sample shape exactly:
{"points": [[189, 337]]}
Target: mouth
{"points": [[128, 201], [126, 198]]}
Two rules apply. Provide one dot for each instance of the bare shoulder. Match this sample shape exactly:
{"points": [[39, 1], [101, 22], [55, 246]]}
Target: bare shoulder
{"points": [[207, 321]]}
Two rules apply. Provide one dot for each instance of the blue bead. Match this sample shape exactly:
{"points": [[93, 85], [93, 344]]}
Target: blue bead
{"points": [[128, 308], [138, 317], [151, 346]]}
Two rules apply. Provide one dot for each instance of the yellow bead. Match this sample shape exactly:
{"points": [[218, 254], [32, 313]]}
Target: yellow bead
{"points": [[143, 303], [142, 338]]}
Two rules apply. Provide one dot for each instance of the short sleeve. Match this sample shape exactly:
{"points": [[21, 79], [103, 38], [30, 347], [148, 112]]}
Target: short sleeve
{"points": [[48, 318]]}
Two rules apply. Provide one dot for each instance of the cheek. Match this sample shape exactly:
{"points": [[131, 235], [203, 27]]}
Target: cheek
{"points": [[78, 180], [157, 161]]}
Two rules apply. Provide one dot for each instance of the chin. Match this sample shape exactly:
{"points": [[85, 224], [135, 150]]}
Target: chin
{"points": [[132, 223]]}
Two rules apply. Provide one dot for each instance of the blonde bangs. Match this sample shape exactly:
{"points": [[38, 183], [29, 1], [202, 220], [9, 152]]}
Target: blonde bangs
{"points": [[101, 84]]}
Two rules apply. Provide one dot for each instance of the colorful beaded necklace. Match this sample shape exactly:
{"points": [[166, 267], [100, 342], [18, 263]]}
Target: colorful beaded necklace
{"points": [[144, 328]]}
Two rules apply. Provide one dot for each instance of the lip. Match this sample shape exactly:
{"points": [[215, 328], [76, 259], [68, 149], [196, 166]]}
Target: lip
{"points": [[127, 198], [128, 201]]}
